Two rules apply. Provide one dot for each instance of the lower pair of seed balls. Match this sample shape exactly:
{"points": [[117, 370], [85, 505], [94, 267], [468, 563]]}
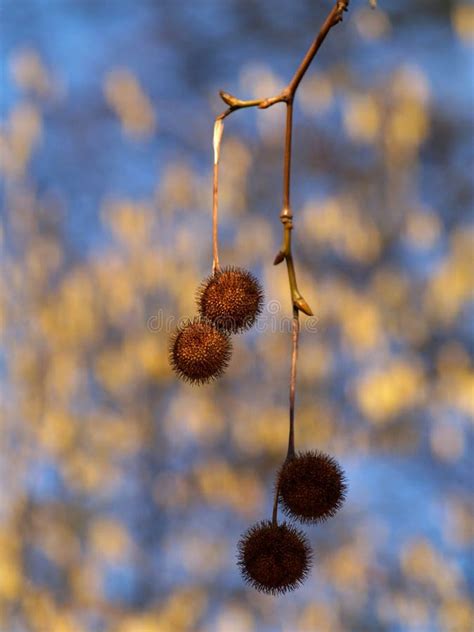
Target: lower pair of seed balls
{"points": [[229, 302], [276, 558]]}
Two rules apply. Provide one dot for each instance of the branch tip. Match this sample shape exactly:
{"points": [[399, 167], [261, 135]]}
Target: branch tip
{"points": [[228, 98]]}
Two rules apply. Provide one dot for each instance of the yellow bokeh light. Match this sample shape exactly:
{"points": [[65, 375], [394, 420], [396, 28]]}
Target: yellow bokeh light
{"points": [[126, 97], [316, 94], [30, 73], [109, 539], [362, 118], [423, 229], [372, 25], [381, 395], [463, 22]]}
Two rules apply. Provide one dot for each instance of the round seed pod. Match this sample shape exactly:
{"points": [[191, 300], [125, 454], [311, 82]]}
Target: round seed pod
{"points": [[312, 487], [274, 559], [199, 352], [231, 299]]}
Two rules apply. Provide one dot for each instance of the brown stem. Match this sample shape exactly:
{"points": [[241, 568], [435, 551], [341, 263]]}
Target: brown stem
{"points": [[217, 139], [275, 505], [294, 358], [291, 436], [287, 96], [287, 160], [215, 192], [334, 17], [286, 217]]}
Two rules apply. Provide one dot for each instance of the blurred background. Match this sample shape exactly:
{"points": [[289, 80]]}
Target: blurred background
{"points": [[124, 492]]}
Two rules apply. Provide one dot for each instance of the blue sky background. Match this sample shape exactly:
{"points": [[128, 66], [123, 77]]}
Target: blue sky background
{"points": [[168, 498]]}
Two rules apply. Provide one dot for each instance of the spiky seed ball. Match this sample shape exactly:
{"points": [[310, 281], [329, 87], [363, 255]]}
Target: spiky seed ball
{"points": [[274, 558], [312, 487], [230, 298], [199, 352]]}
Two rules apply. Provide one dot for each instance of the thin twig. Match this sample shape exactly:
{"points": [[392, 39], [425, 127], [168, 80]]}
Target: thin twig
{"points": [[286, 96], [335, 16], [275, 505], [217, 139], [294, 358], [287, 161]]}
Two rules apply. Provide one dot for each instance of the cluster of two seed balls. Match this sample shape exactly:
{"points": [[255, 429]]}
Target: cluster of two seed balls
{"points": [[276, 558], [229, 302]]}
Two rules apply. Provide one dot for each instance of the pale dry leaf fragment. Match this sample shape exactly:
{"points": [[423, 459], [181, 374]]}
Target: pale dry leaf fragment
{"points": [[218, 131]]}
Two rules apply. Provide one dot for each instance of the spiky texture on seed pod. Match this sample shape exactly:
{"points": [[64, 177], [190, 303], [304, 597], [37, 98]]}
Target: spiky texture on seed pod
{"points": [[199, 352], [274, 558], [231, 299], [312, 487]]}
